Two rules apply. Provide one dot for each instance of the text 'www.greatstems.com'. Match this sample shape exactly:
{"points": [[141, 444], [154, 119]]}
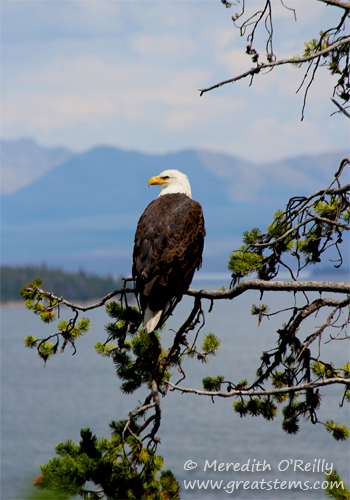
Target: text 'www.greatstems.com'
{"points": [[231, 486]]}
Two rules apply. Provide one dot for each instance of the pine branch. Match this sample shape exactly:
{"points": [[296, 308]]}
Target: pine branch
{"points": [[301, 224]]}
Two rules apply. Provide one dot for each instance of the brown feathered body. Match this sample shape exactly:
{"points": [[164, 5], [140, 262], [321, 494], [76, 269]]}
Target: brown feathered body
{"points": [[168, 249]]}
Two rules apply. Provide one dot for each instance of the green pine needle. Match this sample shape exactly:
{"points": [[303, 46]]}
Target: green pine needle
{"points": [[336, 488], [339, 432], [213, 384]]}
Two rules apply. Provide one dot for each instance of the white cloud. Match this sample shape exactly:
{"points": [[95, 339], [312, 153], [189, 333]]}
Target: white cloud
{"points": [[235, 61], [90, 91], [289, 138], [80, 73], [186, 116], [40, 112], [164, 46]]}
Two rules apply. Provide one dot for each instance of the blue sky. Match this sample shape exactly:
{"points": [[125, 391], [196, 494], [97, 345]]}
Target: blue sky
{"points": [[127, 73]]}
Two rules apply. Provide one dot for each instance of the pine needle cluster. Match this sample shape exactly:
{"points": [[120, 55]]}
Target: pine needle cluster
{"points": [[336, 488], [210, 347], [295, 407], [255, 406], [44, 304], [135, 353], [99, 468]]}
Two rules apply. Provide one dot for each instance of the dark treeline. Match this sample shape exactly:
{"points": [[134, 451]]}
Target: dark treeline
{"points": [[73, 286]]}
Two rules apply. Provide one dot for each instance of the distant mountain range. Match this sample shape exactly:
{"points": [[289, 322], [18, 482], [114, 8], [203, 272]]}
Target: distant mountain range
{"points": [[23, 161], [80, 210]]}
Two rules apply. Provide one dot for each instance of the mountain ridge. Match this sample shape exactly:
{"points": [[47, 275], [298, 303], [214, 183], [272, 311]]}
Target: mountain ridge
{"points": [[23, 161], [83, 212]]}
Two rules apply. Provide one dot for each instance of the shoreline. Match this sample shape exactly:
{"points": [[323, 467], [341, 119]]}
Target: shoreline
{"points": [[20, 304], [12, 304]]}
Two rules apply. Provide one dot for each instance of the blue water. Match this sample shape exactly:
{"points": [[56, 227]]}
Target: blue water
{"points": [[44, 405]]}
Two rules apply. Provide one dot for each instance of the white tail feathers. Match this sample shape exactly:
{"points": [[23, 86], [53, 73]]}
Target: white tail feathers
{"points": [[151, 319]]}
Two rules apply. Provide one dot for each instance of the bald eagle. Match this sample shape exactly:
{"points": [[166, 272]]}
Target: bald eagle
{"points": [[168, 247]]}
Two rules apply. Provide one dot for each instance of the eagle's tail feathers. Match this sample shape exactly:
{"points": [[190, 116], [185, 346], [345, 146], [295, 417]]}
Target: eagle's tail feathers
{"points": [[151, 319], [155, 319]]}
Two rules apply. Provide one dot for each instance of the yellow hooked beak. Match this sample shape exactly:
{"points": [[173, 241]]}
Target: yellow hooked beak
{"points": [[155, 180]]}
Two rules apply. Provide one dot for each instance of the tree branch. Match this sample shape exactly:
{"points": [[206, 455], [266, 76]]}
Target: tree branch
{"points": [[187, 325], [261, 285], [286, 286], [62, 301], [316, 334], [337, 3], [343, 110], [332, 222], [268, 392], [156, 400], [261, 66]]}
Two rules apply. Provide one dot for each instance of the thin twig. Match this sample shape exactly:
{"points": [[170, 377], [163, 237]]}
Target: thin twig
{"points": [[343, 110]]}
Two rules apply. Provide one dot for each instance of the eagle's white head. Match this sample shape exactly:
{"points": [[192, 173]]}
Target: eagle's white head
{"points": [[172, 181]]}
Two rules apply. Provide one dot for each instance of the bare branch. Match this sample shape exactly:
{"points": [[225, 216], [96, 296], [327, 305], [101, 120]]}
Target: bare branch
{"points": [[332, 222], [309, 84], [289, 8], [188, 325], [282, 286], [268, 392], [318, 333], [61, 300], [337, 3], [343, 110], [272, 64]]}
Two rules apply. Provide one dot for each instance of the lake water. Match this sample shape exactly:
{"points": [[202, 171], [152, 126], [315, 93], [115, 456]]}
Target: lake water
{"points": [[42, 406]]}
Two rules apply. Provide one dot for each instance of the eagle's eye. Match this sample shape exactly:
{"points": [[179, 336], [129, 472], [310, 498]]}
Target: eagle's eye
{"points": [[165, 177]]}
